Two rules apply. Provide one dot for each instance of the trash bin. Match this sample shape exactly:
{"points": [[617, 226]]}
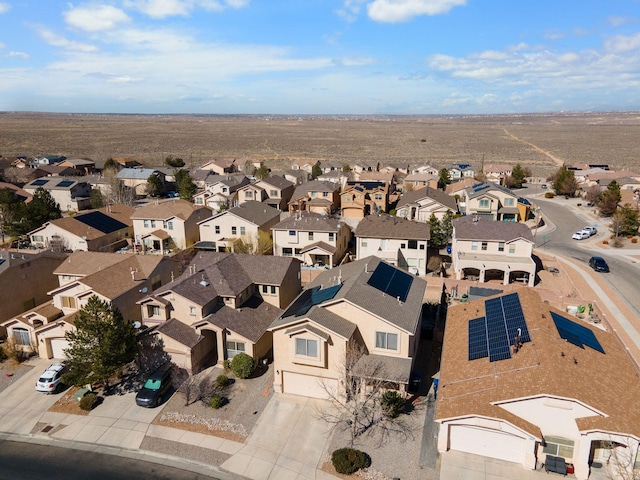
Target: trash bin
{"points": [[449, 249], [414, 381]]}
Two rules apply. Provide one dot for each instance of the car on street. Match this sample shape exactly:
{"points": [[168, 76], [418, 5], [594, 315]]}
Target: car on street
{"points": [[156, 387], [51, 379], [581, 235], [591, 230], [598, 264]]}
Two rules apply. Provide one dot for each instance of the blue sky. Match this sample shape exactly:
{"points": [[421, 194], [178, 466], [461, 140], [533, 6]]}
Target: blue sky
{"points": [[319, 56]]}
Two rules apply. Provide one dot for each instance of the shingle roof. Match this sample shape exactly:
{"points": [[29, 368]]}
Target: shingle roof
{"points": [[388, 226], [85, 263], [136, 173], [165, 210], [92, 225], [277, 181], [438, 195], [250, 321], [255, 212], [548, 365], [486, 187], [468, 228], [179, 332], [303, 190], [309, 222]]}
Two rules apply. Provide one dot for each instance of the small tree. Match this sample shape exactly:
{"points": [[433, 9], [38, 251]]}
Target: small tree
{"points": [[446, 227], [111, 164], [27, 217], [444, 178], [96, 198], [593, 195], [154, 186], [242, 365], [609, 199], [262, 172], [174, 162], [101, 343], [346, 168], [517, 177], [564, 182], [625, 221], [261, 244], [435, 231], [316, 171], [186, 187]]}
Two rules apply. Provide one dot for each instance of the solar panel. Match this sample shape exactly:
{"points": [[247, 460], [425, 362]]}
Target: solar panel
{"points": [[497, 335], [309, 298], [391, 281], [65, 183], [514, 318], [478, 347], [39, 182], [576, 334], [101, 222]]}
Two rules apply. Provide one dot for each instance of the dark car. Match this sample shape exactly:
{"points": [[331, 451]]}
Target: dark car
{"points": [[598, 264], [156, 387]]}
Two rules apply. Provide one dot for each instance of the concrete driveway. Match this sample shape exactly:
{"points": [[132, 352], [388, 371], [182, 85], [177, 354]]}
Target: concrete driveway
{"points": [[288, 442]]}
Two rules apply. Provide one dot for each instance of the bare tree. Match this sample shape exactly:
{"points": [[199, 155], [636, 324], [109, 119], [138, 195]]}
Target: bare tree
{"points": [[261, 244], [358, 408], [117, 192], [621, 462]]}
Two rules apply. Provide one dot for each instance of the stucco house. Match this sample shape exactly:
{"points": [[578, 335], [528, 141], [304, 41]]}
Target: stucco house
{"points": [[398, 241], [487, 249], [221, 166], [221, 305], [490, 201], [103, 230], [420, 204], [416, 181], [521, 380], [368, 303], [497, 172], [312, 238], [246, 220], [458, 171], [171, 224], [220, 191], [359, 198], [136, 178], [68, 192], [315, 197], [274, 191]]}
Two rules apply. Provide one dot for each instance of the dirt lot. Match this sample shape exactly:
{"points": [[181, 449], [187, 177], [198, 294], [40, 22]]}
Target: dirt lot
{"points": [[11, 371], [439, 140]]}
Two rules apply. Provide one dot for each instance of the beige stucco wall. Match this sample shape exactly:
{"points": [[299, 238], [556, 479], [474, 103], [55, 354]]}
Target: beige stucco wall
{"points": [[45, 336]]}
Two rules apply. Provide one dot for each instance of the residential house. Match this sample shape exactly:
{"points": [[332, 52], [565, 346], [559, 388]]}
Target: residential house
{"points": [[23, 195], [487, 250], [69, 193], [220, 306], [365, 166], [316, 197], [415, 181], [394, 167], [458, 188], [388, 178], [221, 166], [119, 279], [398, 241], [46, 160], [274, 191], [137, 178], [335, 176], [84, 166], [497, 172], [304, 164], [360, 198], [331, 166], [538, 386], [57, 170], [160, 227], [201, 177], [368, 307], [420, 204], [423, 168], [247, 220], [312, 238], [458, 171], [104, 230], [127, 162], [220, 192], [491, 201], [297, 177]]}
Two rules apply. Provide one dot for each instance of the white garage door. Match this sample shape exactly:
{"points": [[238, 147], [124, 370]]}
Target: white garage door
{"points": [[308, 385], [487, 443], [58, 345]]}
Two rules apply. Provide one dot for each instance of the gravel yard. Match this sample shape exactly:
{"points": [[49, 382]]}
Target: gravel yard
{"points": [[11, 371]]}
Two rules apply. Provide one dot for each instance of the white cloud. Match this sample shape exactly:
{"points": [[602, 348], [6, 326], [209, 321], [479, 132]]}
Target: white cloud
{"points": [[4, 7], [59, 41], [616, 21], [355, 62], [623, 43], [22, 55], [392, 11], [350, 9], [95, 18], [168, 8]]}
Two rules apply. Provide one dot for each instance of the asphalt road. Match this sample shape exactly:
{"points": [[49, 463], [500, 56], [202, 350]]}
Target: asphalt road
{"points": [[27, 461]]}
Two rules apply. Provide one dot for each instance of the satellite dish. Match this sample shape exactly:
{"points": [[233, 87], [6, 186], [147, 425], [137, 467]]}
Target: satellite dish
{"points": [[144, 290], [137, 324]]}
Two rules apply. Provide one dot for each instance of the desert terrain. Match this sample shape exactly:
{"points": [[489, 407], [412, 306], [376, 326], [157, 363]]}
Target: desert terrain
{"points": [[541, 141]]}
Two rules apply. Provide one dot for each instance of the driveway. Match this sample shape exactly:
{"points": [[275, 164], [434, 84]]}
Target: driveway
{"points": [[288, 442]]}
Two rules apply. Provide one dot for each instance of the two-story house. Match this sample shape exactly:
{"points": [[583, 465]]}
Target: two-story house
{"points": [[459, 171], [220, 306], [274, 191], [486, 249], [416, 181], [68, 192], [398, 241], [360, 198], [497, 172], [315, 197], [221, 166], [218, 232], [220, 191], [137, 178], [490, 201], [420, 204], [369, 307], [160, 227]]}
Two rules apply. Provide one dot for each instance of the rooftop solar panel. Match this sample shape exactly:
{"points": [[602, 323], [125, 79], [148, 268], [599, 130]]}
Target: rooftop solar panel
{"points": [[391, 281], [65, 183], [100, 221], [576, 334], [309, 298], [478, 347], [39, 182]]}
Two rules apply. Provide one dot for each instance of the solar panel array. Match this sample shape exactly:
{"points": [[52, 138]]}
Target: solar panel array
{"points": [[101, 222], [576, 334], [39, 182], [65, 183], [309, 298], [391, 281], [492, 335]]}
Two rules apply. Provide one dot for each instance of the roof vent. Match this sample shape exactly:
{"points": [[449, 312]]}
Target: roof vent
{"points": [[204, 283]]}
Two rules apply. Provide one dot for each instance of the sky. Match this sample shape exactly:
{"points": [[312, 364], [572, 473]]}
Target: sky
{"points": [[322, 57]]}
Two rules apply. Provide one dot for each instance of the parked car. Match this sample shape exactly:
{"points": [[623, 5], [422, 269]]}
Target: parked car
{"points": [[581, 235], [543, 186], [591, 230], [156, 387], [51, 379], [598, 264]]}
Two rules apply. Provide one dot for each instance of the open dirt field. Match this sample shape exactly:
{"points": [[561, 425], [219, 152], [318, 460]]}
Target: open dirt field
{"points": [[540, 141]]}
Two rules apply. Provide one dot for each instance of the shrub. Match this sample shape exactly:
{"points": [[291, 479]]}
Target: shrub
{"points": [[12, 350], [218, 401], [3, 355], [549, 195], [349, 460], [89, 401], [242, 365], [634, 240], [392, 403], [392, 212], [222, 381], [605, 242]]}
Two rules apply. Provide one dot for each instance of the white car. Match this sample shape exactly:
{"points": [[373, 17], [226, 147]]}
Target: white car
{"points": [[51, 378], [590, 230], [581, 235]]}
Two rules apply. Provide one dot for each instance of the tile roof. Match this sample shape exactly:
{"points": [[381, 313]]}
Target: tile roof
{"points": [[548, 365], [165, 210], [427, 192], [179, 332], [467, 228], [250, 321], [309, 222], [388, 226]]}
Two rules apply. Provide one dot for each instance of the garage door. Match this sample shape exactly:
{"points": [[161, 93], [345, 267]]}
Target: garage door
{"points": [[308, 385], [58, 345], [487, 443]]}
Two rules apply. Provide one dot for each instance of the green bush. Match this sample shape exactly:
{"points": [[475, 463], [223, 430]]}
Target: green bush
{"points": [[222, 381], [242, 365], [549, 195], [392, 403], [218, 401], [89, 401], [349, 460]]}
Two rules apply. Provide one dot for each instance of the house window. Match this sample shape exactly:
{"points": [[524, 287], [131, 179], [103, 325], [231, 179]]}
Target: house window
{"points": [[512, 248], [509, 202], [413, 244], [325, 194], [38, 238], [234, 348], [501, 246], [378, 196], [422, 246], [386, 340], [484, 246], [310, 235], [273, 290], [21, 336], [198, 201], [297, 252], [153, 224], [192, 310], [248, 194], [363, 243], [146, 224], [484, 203], [265, 289], [314, 194], [225, 190], [217, 228], [153, 310], [170, 225], [306, 347], [287, 252], [292, 233], [474, 245], [68, 302], [242, 230], [234, 230], [402, 245], [332, 236], [273, 193], [558, 446]]}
